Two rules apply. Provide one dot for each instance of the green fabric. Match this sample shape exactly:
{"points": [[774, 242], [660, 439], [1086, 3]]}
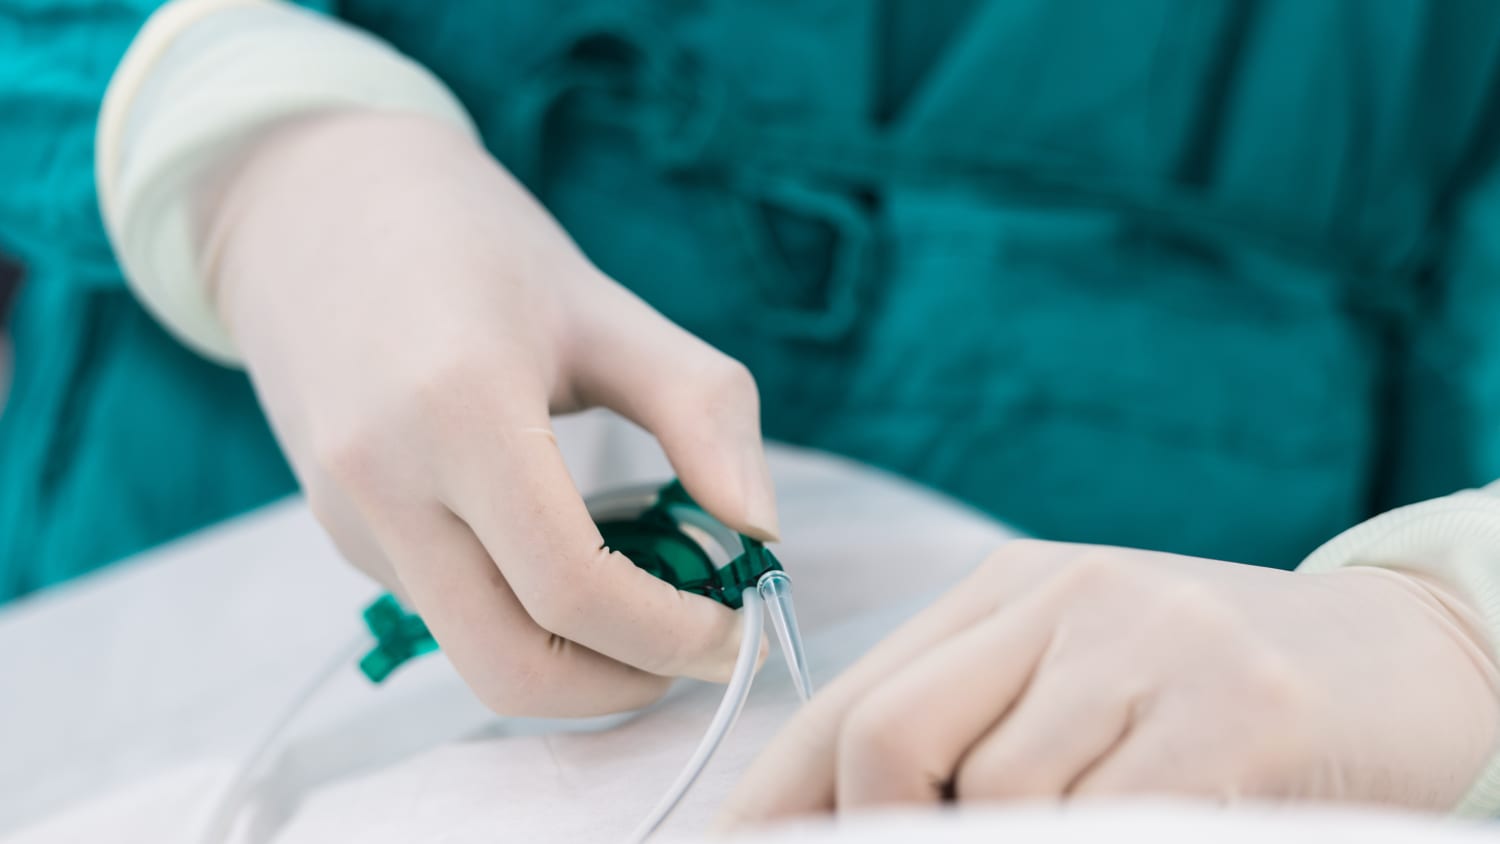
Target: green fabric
{"points": [[1211, 277], [113, 438]]}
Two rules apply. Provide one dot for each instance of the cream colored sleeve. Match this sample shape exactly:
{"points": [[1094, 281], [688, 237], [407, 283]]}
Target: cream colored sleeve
{"points": [[1455, 541], [200, 79]]}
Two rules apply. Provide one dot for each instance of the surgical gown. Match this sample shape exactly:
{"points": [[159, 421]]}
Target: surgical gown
{"points": [[1208, 276]]}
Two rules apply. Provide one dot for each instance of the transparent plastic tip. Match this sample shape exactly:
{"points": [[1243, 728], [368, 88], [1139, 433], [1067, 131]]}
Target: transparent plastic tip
{"points": [[775, 589]]}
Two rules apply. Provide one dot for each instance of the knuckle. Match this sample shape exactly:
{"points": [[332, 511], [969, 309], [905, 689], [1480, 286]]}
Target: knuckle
{"points": [[1012, 553], [1099, 571], [1193, 605], [1186, 597], [350, 459], [560, 595], [720, 384], [872, 738], [554, 607], [723, 375]]}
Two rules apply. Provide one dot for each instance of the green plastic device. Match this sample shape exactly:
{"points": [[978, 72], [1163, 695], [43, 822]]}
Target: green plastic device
{"points": [[399, 636], [663, 531], [661, 541]]}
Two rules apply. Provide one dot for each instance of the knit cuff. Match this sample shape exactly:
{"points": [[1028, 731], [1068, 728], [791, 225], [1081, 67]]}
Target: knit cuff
{"points": [[200, 80], [1456, 541]]}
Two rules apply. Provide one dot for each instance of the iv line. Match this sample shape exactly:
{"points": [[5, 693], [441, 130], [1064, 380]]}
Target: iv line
{"points": [[724, 717], [772, 595], [232, 796]]}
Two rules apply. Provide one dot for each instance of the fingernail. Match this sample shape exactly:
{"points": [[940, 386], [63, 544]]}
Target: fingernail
{"points": [[761, 521]]}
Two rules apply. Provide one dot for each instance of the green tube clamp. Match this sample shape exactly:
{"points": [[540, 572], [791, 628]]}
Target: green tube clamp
{"points": [[654, 540], [399, 636]]}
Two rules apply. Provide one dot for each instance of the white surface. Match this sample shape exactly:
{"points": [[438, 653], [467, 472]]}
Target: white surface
{"points": [[155, 674], [128, 696], [1158, 822]]}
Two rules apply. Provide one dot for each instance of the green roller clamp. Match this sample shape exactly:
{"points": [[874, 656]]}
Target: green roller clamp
{"points": [[656, 539]]}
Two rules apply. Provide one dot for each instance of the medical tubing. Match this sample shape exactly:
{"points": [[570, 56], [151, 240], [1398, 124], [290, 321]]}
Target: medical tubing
{"points": [[730, 705], [227, 808], [775, 589]]}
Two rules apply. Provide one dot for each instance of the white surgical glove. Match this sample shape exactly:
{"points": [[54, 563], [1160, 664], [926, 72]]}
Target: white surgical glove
{"points": [[1063, 671], [411, 318]]}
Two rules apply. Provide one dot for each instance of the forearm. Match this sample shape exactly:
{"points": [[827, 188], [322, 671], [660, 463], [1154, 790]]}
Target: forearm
{"points": [[202, 80]]}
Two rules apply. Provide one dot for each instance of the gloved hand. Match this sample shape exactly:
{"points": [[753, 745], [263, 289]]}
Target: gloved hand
{"points": [[1071, 671], [411, 317]]}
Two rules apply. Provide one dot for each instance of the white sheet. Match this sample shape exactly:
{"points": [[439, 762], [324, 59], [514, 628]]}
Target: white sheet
{"points": [[130, 695], [156, 675]]}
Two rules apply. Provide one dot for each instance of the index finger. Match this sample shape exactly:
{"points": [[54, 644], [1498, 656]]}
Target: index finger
{"points": [[797, 772], [521, 502], [513, 666]]}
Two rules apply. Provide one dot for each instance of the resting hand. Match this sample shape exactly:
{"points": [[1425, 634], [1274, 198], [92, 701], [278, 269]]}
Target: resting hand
{"points": [[411, 317], [1067, 671]]}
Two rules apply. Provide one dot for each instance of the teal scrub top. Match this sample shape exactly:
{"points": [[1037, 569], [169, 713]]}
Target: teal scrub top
{"points": [[1206, 276]]}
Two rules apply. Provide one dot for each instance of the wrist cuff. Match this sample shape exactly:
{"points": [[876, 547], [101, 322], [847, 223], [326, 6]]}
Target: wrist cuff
{"points": [[1455, 540], [200, 80]]}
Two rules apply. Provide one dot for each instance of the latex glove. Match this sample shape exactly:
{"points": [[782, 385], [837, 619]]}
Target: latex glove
{"points": [[411, 317], [1068, 671]]}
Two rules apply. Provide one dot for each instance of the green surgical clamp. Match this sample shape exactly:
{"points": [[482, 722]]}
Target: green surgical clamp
{"points": [[664, 532]]}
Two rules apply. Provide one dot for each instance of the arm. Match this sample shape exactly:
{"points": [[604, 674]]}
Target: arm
{"points": [[289, 193], [201, 82]]}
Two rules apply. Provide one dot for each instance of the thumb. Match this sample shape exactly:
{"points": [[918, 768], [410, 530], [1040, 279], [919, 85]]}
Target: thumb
{"points": [[699, 403], [715, 445]]}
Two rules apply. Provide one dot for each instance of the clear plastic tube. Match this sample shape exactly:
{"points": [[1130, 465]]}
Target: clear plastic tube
{"points": [[730, 705], [775, 589], [772, 595], [231, 799]]}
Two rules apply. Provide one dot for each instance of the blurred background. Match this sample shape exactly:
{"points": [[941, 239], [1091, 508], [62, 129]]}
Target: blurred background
{"points": [[10, 280]]}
